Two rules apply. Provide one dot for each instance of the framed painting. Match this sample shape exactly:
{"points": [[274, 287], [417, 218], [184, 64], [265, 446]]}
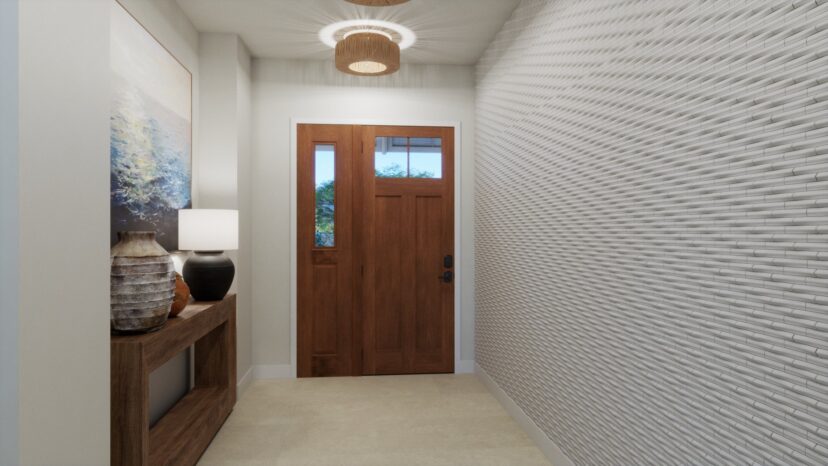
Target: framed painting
{"points": [[150, 133]]}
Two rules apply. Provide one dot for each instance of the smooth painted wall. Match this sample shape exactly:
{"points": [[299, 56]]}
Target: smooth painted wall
{"points": [[9, 230], [224, 162], [63, 232], [244, 110], [285, 89], [651, 219], [218, 160]]}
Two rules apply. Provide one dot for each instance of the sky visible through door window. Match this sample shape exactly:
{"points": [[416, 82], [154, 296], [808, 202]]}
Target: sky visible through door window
{"points": [[324, 164], [402, 157]]}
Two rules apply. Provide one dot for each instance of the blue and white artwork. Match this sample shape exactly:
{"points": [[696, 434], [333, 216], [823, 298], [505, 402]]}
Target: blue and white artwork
{"points": [[151, 133]]}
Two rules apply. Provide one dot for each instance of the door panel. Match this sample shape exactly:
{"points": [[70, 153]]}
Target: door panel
{"points": [[388, 277], [324, 250], [427, 321], [324, 309]]}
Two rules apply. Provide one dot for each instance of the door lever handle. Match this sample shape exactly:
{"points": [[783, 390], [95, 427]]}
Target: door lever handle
{"points": [[447, 276]]}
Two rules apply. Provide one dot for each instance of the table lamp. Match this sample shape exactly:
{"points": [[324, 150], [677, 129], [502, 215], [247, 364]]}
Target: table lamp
{"points": [[208, 233]]}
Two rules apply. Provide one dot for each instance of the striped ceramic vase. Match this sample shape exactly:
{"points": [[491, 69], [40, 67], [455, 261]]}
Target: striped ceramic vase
{"points": [[142, 283]]}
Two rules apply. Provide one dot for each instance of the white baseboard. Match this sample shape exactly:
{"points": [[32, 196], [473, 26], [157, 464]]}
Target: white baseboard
{"points": [[464, 366], [276, 371], [244, 383], [547, 446], [285, 371]]}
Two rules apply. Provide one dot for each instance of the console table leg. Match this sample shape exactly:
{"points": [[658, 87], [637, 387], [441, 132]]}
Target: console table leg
{"points": [[130, 406], [215, 360]]}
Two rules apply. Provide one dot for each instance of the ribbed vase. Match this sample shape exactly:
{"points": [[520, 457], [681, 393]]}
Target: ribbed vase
{"points": [[142, 283]]}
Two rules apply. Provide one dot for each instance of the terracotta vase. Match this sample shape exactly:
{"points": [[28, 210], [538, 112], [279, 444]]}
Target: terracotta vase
{"points": [[142, 283], [182, 296]]}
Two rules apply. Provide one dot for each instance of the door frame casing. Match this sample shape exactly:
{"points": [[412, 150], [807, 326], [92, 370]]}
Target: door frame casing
{"points": [[458, 227]]}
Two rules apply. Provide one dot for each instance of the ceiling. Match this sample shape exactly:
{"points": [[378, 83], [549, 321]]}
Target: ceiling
{"points": [[448, 31]]}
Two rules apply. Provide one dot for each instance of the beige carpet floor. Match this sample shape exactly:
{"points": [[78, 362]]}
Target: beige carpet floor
{"points": [[366, 421]]}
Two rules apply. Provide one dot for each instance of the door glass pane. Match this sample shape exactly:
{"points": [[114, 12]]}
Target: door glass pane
{"points": [[324, 173], [401, 157], [391, 157], [425, 158]]}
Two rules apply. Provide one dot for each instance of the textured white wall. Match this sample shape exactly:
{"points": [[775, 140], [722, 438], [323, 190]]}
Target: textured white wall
{"points": [[284, 89], [651, 218], [9, 230], [64, 221]]}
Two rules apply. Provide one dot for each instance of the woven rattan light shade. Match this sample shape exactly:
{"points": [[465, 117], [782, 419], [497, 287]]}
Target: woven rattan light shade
{"points": [[367, 54], [377, 2]]}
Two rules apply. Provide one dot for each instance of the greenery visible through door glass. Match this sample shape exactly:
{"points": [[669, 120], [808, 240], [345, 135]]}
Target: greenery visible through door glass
{"points": [[401, 157], [325, 174], [425, 158]]}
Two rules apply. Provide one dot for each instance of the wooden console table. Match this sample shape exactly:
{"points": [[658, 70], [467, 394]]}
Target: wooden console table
{"points": [[182, 435]]}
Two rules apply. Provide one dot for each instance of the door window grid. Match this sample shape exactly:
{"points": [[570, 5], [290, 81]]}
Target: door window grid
{"points": [[404, 157]]}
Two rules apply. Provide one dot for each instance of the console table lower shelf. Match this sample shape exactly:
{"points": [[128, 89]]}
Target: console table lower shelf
{"points": [[185, 431]]}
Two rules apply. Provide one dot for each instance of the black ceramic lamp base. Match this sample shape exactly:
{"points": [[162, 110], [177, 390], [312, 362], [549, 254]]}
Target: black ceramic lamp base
{"points": [[209, 275]]}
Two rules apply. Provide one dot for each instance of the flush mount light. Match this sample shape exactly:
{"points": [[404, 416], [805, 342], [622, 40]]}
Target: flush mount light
{"points": [[371, 31], [377, 2], [367, 54], [330, 35]]}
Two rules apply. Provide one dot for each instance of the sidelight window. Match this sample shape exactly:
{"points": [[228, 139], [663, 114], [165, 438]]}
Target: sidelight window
{"points": [[325, 175]]}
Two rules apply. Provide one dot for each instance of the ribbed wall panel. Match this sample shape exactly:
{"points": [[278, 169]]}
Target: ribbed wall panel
{"points": [[652, 227]]}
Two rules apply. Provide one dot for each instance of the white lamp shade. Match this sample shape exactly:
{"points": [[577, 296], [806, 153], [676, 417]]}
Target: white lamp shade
{"points": [[208, 229]]}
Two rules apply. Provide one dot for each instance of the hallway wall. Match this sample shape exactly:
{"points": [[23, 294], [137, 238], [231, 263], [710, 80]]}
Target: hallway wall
{"points": [[224, 164], [63, 235], [285, 89], [9, 231], [652, 203]]}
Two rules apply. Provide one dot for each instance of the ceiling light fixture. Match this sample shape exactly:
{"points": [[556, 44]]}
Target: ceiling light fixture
{"points": [[377, 2], [367, 54], [370, 31], [330, 35]]}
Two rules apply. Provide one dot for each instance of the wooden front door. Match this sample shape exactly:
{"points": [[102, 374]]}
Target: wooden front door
{"points": [[375, 250]]}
